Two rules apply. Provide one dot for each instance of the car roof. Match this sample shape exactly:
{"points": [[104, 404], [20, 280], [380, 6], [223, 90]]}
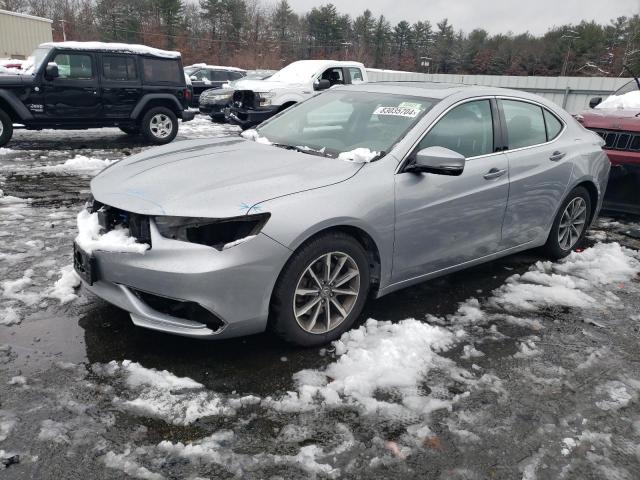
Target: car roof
{"points": [[322, 63], [215, 67], [112, 47], [439, 90]]}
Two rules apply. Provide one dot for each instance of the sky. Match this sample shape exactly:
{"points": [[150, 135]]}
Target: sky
{"points": [[495, 16]]}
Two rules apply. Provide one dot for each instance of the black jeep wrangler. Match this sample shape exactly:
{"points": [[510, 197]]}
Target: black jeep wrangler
{"points": [[80, 85]]}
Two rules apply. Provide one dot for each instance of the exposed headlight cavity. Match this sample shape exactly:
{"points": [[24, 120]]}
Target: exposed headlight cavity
{"points": [[213, 232]]}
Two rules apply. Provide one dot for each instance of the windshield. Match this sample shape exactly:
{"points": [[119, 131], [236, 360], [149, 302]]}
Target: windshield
{"points": [[35, 60], [340, 122], [296, 72], [626, 88]]}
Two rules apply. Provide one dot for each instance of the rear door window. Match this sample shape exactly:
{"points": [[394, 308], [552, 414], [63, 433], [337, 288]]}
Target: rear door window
{"points": [[119, 68], [160, 70], [525, 124], [466, 129], [355, 74]]}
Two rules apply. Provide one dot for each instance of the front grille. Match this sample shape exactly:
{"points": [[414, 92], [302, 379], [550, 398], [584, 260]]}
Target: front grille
{"points": [[111, 217], [244, 99], [617, 140]]}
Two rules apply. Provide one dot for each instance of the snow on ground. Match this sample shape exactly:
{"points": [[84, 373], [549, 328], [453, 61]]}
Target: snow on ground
{"points": [[80, 163]]}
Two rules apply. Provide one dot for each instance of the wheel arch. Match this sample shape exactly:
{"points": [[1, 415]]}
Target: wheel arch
{"points": [[156, 100], [364, 238], [286, 105], [13, 107]]}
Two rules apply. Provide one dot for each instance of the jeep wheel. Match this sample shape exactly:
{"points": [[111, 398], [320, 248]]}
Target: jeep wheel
{"points": [[130, 130], [160, 125], [6, 128]]}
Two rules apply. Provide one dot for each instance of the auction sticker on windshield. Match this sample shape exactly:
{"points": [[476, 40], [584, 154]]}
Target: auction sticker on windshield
{"points": [[397, 111]]}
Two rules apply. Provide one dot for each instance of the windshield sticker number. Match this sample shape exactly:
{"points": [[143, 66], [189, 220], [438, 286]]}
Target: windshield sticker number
{"points": [[417, 106], [397, 111]]}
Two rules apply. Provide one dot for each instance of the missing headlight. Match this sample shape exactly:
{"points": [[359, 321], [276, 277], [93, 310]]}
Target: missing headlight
{"points": [[213, 232]]}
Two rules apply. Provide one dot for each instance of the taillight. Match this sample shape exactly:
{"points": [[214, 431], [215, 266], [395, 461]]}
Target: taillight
{"points": [[187, 94]]}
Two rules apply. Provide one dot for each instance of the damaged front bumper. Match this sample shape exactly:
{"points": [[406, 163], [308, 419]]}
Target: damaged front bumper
{"points": [[248, 117], [192, 290]]}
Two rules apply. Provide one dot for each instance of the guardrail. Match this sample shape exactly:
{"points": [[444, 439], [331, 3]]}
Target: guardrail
{"points": [[571, 93]]}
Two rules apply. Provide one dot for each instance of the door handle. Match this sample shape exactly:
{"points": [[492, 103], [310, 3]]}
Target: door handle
{"points": [[494, 173], [91, 89], [557, 156]]}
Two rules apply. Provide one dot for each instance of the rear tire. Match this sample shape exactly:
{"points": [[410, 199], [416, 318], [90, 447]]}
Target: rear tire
{"points": [[6, 128], [570, 224], [130, 130], [160, 125], [301, 298]]}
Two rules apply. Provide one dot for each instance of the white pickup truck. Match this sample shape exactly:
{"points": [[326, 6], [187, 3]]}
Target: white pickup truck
{"points": [[261, 99]]}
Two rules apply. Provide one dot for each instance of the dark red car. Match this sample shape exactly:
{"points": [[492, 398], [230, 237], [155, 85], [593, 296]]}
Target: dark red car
{"points": [[617, 121]]}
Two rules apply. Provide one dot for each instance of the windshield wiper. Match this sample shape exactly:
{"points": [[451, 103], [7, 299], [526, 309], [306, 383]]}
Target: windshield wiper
{"points": [[309, 151]]}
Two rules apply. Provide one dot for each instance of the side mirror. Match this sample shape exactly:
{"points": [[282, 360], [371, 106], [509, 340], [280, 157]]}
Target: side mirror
{"points": [[321, 84], [438, 160], [595, 101], [51, 71], [193, 78]]}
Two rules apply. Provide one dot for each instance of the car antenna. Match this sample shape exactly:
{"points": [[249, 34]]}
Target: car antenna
{"points": [[625, 67]]}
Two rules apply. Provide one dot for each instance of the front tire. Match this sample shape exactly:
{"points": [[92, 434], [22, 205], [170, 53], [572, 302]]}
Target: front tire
{"points": [[321, 291], [570, 224], [6, 128], [160, 125]]}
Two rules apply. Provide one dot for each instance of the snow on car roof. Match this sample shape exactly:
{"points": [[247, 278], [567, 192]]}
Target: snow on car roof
{"points": [[113, 47], [220, 67]]}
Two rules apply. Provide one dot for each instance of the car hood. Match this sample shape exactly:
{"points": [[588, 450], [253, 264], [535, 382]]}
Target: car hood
{"points": [[213, 178], [627, 119], [15, 79], [261, 85]]}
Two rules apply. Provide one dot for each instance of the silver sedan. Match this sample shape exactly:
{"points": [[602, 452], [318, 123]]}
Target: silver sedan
{"points": [[357, 192]]}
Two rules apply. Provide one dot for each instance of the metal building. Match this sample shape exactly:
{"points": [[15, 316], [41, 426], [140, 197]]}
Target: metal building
{"points": [[20, 34]]}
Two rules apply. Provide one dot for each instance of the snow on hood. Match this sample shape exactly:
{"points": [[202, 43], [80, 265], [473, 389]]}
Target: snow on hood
{"points": [[117, 240], [114, 47], [253, 134], [630, 100], [359, 155]]}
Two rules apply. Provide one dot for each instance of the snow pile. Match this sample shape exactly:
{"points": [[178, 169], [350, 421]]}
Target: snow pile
{"points": [[125, 464], [12, 201], [8, 421], [253, 134], [117, 240], [113, 47], [6, 151], [9, 316], [160, 394], [377, 357], [81, 163], [566, 283], [15, 289], [358, 155], [64, 288], [630, 100]]}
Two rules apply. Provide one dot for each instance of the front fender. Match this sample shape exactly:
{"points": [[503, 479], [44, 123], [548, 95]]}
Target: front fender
{"points": [[18, 107]]}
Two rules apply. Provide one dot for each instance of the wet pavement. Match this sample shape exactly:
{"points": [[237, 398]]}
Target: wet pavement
{"points": [[513, 369]]}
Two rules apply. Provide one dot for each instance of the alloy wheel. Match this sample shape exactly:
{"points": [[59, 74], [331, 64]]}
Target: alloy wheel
{"points": [[326, 292], [161, 125], [1, 128], [572, 223]]}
